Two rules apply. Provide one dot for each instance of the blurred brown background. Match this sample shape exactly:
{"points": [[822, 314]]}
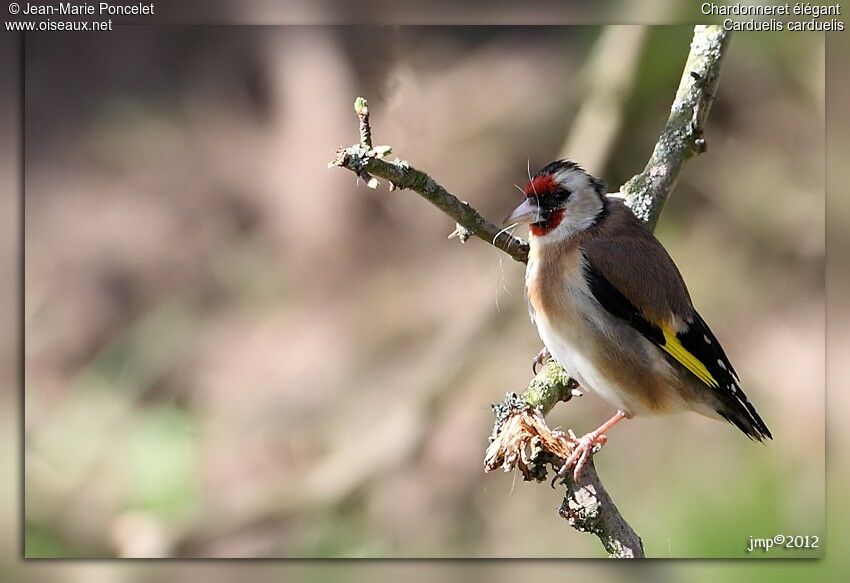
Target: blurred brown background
{"points": [[232, 351]]}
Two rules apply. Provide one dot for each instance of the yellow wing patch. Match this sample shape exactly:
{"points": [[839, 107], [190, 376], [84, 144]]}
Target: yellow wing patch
{"points": [[688, 360]]}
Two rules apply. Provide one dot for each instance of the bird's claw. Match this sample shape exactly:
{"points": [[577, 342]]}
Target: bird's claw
{"points": [[540, 359], [582, 449]]}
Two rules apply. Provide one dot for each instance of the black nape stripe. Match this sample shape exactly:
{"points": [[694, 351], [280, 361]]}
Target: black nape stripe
{"points": [[599, 186]]}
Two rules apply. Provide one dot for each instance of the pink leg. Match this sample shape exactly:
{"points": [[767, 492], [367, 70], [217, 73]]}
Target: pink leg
{"points": [[584, 447], [541, 358]]}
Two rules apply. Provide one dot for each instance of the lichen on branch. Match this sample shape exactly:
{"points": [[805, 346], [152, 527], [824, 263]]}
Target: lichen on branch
{"points": [[682, 136]]}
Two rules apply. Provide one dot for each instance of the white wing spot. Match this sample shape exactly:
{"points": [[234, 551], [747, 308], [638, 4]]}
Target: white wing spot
{"points": [[721, 363], [706, 338]]}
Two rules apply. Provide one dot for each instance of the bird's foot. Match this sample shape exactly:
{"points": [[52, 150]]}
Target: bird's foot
{"points": [[585, 446], [582, 449], [540, 359]]}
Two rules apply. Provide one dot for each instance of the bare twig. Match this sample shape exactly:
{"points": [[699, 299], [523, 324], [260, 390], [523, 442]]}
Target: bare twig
{"points": [[367, 161], [400, 174], [521, 438], [361, 108]]}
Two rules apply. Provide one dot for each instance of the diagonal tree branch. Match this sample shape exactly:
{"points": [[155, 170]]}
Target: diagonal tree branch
{"points": [[400, 174], [521, 440], [368, 162]]}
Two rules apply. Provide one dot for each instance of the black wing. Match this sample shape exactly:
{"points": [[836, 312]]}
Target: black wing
{"points": [[696, 349]]}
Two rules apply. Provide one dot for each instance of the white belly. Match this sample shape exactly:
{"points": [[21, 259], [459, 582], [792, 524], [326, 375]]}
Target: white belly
{"points": [[575, 353], [573, 343]]}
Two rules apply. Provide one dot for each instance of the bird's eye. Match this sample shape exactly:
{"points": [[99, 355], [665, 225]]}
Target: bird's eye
{"points": [[559, 196]]}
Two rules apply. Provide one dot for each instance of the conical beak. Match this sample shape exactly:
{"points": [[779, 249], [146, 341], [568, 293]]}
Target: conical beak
{"points": [[527, 212]]}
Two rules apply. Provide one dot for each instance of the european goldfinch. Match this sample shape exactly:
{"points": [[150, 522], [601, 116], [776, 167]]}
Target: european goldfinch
{"points": [[612, 309]]}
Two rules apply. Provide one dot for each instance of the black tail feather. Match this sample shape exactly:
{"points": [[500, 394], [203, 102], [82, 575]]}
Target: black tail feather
{"points": [[745, 418]]}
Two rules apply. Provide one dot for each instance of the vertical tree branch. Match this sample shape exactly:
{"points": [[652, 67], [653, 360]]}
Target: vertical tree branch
{"points": [[521, 440], [361, 108], [681, 139]]}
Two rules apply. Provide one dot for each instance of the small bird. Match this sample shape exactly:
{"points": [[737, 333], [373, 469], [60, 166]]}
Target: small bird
{"points": [[613, 310]]}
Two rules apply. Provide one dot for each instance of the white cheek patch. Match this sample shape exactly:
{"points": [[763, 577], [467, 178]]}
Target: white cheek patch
{"points": [[580, 212]]}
